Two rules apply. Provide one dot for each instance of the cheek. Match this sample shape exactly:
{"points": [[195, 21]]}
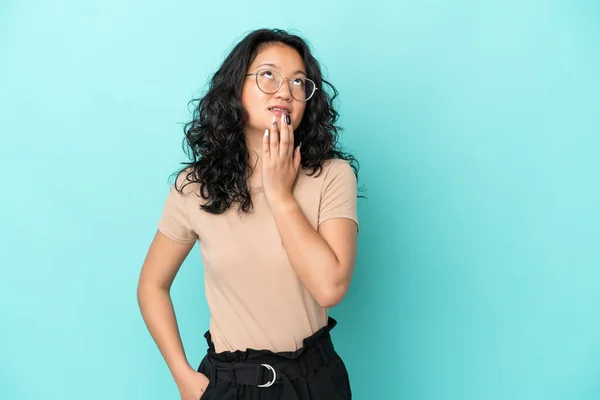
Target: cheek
{"points": [[254, 103]]}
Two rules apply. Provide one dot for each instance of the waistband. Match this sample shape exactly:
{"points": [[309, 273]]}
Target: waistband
{"points": [[264, 368]]}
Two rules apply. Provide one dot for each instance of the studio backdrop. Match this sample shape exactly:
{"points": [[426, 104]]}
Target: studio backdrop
{"points": [[476, 125]]}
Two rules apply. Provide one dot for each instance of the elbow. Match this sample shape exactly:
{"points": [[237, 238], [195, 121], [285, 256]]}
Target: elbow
{"points": [[142, 293], [332, 296], [147, 289], [329, 303]]}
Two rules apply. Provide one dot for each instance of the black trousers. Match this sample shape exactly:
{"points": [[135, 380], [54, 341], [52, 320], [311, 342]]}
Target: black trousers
{"points": [[313, 372]]}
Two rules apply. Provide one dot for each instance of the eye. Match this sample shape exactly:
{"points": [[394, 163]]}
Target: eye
{"points": [[266, 74], [299, 82]]}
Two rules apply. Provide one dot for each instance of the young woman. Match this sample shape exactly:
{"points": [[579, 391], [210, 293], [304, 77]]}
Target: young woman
{"points": [[271, 201]]}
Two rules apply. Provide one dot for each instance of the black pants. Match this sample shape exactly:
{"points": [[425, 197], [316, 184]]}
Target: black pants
{"points": [[313, 372]]}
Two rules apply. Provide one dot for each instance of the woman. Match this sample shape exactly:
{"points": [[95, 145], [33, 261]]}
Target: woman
{"points": [[272, 204]]}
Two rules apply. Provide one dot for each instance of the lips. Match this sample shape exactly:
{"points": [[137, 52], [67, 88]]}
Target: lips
{"points": [[279, 110]]}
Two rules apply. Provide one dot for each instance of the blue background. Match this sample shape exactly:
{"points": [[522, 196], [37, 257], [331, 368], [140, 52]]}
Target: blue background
{"points": [[476, 125]]}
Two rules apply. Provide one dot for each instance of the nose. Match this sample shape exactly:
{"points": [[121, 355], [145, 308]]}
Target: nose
{"points": [[284, 91]]}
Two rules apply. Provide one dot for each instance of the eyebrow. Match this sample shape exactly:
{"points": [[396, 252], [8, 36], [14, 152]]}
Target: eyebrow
{"points": [[276, 67]]}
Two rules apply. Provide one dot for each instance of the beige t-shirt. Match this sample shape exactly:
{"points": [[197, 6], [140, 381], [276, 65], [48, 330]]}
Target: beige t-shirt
{"points": [[255, 298]]}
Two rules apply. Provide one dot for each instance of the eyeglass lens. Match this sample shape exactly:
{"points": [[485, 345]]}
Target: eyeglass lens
{"points": [[270, 81]]}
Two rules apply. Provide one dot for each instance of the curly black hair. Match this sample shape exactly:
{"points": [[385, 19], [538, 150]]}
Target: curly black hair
{"points": [[214, 138]]}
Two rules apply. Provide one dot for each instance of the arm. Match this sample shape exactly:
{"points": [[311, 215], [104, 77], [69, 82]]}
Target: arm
{"points": [[159, 269], [323, 259]]}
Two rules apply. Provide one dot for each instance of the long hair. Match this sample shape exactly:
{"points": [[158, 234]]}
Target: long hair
{"points": [[214, 138]]}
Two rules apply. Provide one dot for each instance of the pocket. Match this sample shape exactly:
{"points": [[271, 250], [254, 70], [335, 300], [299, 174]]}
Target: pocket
{"points": [[203, 396], [202, 368], [207, 392]]}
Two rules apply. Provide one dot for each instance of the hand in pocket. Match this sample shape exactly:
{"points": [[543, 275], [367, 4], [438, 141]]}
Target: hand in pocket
{"points": [[192, 386]]}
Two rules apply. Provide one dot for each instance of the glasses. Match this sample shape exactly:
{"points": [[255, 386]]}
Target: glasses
{"points": [[269, 81]]}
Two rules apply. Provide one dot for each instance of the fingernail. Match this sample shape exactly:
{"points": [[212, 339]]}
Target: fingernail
{"points": [[283, 117], [266, 133], [274, 120], [288, 119]]}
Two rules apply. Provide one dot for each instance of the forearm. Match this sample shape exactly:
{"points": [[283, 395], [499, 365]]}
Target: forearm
{"points": [[312, 258], [157, 311]]}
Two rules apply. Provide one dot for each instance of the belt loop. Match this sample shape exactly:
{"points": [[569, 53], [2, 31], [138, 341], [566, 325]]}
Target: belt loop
{"points": [[323, 354]]}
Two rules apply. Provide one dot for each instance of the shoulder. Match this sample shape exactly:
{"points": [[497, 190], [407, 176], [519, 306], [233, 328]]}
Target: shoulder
{"points": [[335, 164], [185, 183], [329, 167], [337, 168], [185, 188], [331, 170], [334, 175]]}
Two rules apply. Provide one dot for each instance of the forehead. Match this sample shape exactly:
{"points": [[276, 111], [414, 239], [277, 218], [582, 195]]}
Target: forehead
{"points": [[285, 58]]}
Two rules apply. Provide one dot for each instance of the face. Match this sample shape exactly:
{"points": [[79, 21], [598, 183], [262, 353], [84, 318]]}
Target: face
{"points": [[260, 106]]}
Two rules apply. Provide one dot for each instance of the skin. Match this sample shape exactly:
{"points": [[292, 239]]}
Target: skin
{"points": [[332, 246], [286, 61]]}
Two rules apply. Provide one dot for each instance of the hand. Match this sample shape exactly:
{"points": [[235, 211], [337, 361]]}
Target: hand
{"points": [[280, 161], [192, 385]]}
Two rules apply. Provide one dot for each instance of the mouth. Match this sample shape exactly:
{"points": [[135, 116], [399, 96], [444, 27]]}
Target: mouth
{"points": [[279, 110]]}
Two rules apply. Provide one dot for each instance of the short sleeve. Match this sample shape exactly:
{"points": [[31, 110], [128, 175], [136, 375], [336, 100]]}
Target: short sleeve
{"points": [[339, 194], [174, 222]]}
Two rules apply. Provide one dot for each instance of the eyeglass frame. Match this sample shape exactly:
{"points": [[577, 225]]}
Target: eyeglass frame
{"points": [[281, 84]]}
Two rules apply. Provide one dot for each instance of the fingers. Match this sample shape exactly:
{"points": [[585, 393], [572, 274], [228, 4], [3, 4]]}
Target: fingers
{"points": [[266, 145], [274, 139], [286, 140], [278, 140]]}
